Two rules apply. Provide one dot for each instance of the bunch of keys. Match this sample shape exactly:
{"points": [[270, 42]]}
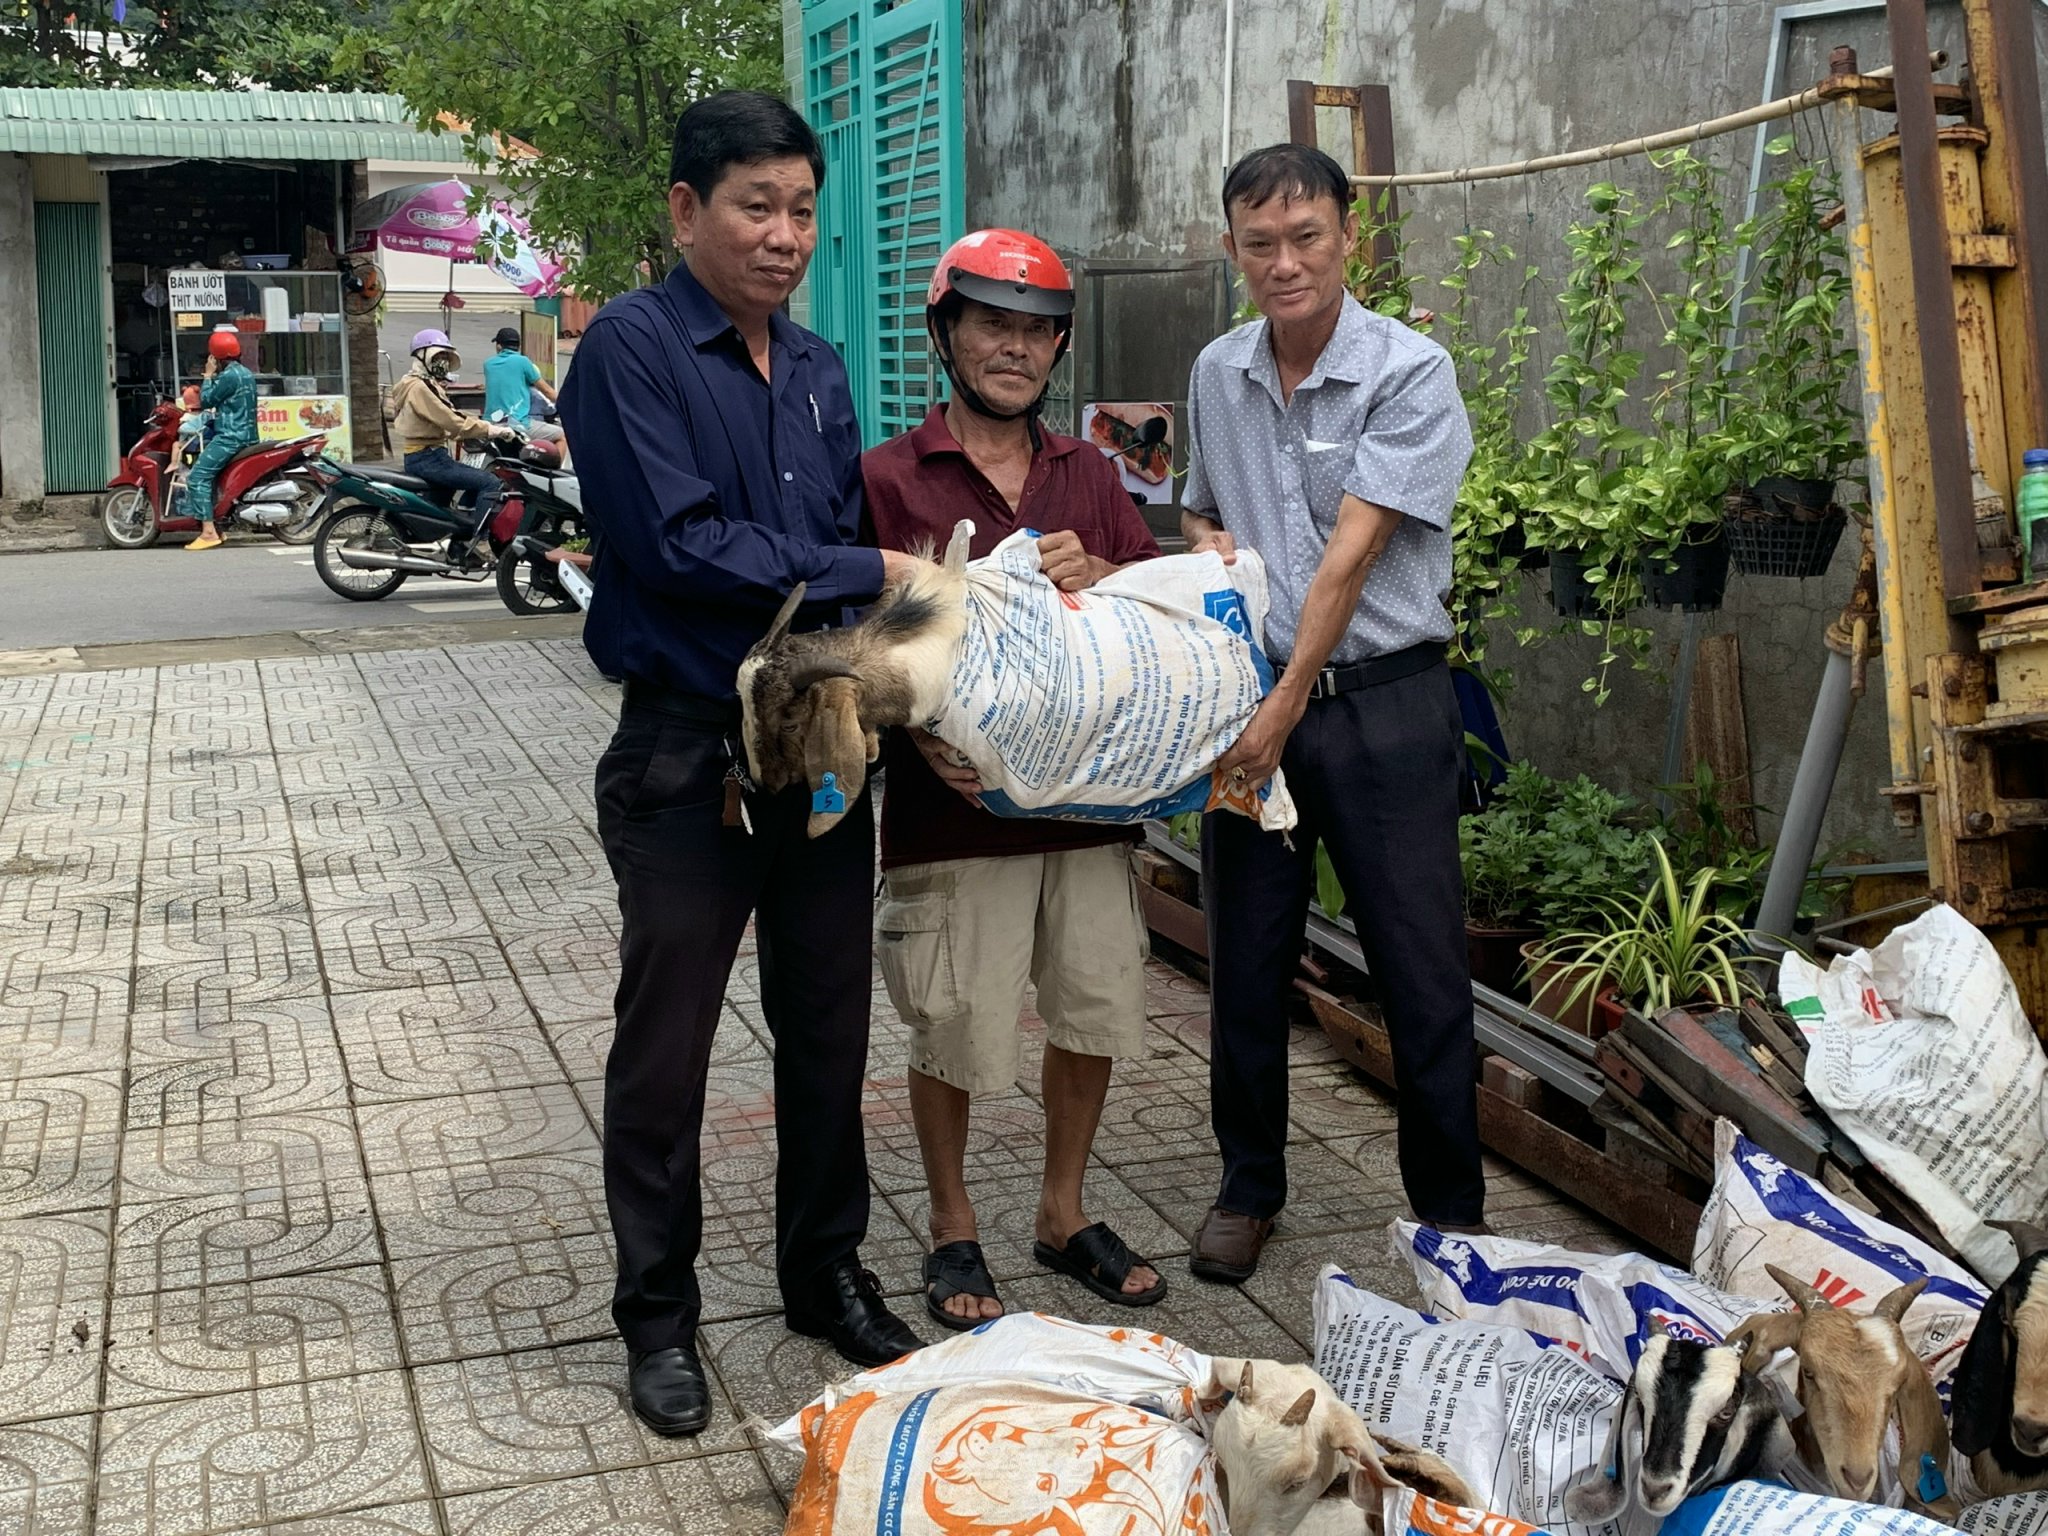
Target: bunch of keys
{"points": [[736, 786]]}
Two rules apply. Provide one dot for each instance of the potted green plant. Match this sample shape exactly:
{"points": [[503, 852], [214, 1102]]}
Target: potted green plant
{"points": [[1790, 436], [1588, 847], [1682, 474], [1500, 849], [1668, 948]]}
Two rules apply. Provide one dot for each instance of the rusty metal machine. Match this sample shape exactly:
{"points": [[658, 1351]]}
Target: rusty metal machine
{"points": [[1948, 234]]}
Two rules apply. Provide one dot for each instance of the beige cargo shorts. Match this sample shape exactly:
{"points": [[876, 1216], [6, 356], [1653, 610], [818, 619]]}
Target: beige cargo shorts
{"points": [[959, 939]]}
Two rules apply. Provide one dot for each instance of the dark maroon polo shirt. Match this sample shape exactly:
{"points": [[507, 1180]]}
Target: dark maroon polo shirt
{"points": [[919, 485]]}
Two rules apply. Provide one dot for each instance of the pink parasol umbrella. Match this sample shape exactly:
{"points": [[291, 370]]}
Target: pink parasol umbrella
{"points": [[432, 218]]}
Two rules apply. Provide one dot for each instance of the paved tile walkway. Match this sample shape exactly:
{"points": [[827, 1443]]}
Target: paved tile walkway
{"points": [[305, 972]]}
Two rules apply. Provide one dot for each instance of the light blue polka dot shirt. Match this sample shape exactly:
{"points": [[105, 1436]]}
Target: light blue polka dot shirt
{"points": [[1380, 416]]}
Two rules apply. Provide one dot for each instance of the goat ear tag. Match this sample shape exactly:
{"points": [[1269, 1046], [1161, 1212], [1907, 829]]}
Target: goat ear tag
{"points": [[1932, 1485], [826, 799]]}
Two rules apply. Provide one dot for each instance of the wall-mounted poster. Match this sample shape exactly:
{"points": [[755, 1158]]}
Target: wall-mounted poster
{"points": [[1138, 437], [280, 418]]}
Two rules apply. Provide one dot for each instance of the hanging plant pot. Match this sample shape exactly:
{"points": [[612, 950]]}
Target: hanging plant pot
{"points": [[1774, 529], [1514, 553], [1696, 577], [1570, 593]]}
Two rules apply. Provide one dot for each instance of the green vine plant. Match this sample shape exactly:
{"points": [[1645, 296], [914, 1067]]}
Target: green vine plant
{"points": [[1585, 461], [1788, 411]]}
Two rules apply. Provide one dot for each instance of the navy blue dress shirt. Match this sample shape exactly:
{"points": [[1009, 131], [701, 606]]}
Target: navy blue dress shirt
{"points": [[711, 491]]}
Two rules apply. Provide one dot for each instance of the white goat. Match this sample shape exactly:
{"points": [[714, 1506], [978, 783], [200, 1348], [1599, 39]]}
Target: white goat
{"points": [[1691, 1419], [2001, 1387], [1296, 1460], [815, 703], [1855, 1374]]}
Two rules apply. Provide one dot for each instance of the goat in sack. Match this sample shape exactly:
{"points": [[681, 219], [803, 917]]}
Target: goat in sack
{"points": [[2000, 1399], [1856, 1374], [1691, 1419]]}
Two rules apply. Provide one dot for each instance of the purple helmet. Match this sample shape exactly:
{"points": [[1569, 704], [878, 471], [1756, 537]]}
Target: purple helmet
{"points": [[430, 338]]}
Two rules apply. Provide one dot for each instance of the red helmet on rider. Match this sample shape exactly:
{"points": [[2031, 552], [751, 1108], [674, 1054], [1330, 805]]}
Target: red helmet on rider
{"points": [[1004, 269], [224, 346]]}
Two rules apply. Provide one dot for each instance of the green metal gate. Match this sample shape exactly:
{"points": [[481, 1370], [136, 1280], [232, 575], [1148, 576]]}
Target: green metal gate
{"points": [[882, 88], [69, 300]]}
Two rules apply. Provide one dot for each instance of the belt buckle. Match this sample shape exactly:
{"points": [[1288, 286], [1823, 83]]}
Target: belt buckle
{"points": [[1325, 684]]}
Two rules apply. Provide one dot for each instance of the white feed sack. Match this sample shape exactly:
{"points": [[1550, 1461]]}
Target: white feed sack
{"points": [[1027, 1424], [1918, 1049], [1111, 704]]}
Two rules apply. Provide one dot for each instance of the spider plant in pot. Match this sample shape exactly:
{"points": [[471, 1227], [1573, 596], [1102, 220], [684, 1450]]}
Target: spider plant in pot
{"points": [[1669, 948]]}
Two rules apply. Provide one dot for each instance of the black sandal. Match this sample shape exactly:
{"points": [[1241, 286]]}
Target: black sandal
{"points": [[1100, 1260], [957, 1269]]}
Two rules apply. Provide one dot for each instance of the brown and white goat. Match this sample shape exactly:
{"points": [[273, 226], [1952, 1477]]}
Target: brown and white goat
{"points": [[1297, 1460], [1856, 1373], [2001, 1387], [816, 703]]}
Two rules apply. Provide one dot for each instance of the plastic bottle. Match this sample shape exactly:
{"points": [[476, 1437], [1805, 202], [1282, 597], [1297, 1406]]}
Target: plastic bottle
{"points": [[2033, 512]]}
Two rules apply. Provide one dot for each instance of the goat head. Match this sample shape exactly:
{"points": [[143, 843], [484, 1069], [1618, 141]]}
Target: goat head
{"points": [[2001, 1385]]}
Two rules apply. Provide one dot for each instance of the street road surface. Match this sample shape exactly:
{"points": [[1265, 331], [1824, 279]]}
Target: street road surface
{"points": [[102, 597]]}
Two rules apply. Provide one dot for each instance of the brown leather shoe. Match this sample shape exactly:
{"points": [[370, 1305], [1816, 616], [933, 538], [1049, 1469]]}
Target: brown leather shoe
{"points": [[1227, 1246]]}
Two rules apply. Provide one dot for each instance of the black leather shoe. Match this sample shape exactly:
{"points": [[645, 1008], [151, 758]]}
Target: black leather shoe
{"points": [[669, 1391], [854, 1320]]}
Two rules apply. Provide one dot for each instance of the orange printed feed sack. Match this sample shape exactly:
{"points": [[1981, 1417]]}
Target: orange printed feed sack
{"points": [[1027, 1426], [1408, 1513]]}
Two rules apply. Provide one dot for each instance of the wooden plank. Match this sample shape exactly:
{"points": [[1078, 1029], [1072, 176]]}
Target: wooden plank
{"points": [[1689, 1121], [1783, 1037], [1701, 1064], [1301, 112], [1717, 729]]}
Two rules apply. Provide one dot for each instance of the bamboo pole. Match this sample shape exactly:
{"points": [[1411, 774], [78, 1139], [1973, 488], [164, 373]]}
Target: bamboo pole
{"points": [[1672, 138]]}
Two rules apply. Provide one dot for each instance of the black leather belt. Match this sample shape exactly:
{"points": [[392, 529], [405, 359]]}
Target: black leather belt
{"points": [[1344, 677], [696, 708]]}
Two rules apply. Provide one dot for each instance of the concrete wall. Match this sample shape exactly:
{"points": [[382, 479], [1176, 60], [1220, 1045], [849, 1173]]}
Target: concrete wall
{"points": [[1101, 128], [21, 402]]}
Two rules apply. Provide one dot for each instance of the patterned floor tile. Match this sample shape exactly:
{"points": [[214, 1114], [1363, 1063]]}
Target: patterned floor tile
{"points": [[46, 1477], [1325, 1193], [260, 1060], [770, 1372], [235, 1336], [415, 1519], [554, 866], [432, 900], [708, 1496], [736, 1266], [571, 997], [223, 1157], [488, 1301], [386, 845], [219, 1239], [449, 1210], [583, 1047], [93, 805], [180, 908], [585, 939], [555, 1412], [218, 787], [368, 950], [67, 932], [54, 1022], [254, 1458], [1334, 1101], [485, 1125], [433, 1041], [1286, 1279], [56, 847], [1004, 1132], [1214, 1319], [53, 1279], [246, 960], [58, 1143]]}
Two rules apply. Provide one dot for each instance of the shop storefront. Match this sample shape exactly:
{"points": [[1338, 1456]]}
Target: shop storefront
{"points": [[150, 218]]}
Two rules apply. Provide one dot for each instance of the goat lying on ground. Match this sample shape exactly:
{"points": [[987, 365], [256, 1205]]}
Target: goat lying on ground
{"points": [[2001, 1386], [1691, 1419], [1855, 1373], [1296, 1460], [815, 703]]}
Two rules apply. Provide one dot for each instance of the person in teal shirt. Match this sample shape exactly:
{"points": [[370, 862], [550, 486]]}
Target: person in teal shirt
{"points": [[229, 391], [507, 377]]}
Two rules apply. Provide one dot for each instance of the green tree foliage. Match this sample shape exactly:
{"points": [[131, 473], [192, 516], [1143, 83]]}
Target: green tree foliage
{"points": [[294, 45], [596, 92]]}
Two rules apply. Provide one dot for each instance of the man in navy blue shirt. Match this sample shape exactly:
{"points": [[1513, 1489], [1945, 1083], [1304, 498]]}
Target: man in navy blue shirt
{"points": [[721, 466]]}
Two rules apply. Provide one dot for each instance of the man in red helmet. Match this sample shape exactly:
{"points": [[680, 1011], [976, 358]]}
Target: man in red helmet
{"points": [[976, 905], [229, 391]]}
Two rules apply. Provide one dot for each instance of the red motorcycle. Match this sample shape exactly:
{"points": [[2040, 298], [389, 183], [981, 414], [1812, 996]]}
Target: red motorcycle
{"points": [[269, 486]]}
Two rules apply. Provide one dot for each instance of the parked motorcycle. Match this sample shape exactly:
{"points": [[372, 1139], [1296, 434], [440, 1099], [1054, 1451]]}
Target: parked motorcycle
{"points": [[528, 582], [378, 526], [268, 486]]}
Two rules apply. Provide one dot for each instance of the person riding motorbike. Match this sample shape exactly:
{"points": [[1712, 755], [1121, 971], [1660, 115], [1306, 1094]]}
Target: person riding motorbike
{"points": [[429, 425], [229, 391]]}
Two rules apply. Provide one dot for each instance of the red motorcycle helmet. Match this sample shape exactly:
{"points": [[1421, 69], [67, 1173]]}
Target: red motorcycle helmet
{"points": [[541, 452], [224, 346], [1004, 269]]}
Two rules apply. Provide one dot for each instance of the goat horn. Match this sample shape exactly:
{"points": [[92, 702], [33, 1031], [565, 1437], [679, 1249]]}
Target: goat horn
{"points": [[818, 669], [1893, 1306], [1244, 1380], [1809, 1299], [1298, 1411], [784, 615], [2027, 1237]]}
